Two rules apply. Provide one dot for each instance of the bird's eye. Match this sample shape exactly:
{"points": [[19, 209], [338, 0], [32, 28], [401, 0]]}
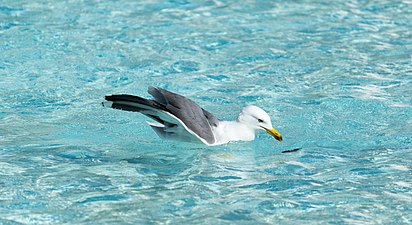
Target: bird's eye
{"points": [[260, 120]]}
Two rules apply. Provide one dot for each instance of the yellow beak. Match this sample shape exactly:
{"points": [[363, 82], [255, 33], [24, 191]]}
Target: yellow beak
{"points": [[274, 133]]}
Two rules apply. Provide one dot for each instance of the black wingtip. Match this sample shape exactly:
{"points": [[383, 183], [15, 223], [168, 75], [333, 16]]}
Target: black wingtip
{"points": [[110, 97]]}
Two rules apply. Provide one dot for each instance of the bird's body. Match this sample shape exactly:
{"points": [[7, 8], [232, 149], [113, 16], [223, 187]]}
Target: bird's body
{"points": [[179, 118], [226, 132]]}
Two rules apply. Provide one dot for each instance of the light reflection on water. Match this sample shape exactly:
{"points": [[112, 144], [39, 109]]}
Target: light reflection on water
{"points": [[335, 77]]}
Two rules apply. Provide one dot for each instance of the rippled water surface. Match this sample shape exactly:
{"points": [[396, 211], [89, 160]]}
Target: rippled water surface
{"points": [[335, 76]]}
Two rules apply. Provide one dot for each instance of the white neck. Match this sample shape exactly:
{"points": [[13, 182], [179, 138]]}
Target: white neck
{"points": [[228, 131]]}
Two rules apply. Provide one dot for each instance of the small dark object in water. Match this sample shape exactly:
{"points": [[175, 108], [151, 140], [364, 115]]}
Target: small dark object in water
{"points": [[292, 150]]}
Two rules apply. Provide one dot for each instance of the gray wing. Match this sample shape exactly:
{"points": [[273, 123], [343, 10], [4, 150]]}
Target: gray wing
{"points": [[191, 114]]}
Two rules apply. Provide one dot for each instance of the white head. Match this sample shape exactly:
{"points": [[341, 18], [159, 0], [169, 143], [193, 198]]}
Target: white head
{"points": [[257, 119]]}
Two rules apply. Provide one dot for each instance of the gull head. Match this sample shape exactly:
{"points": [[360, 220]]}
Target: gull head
{"points": [[257, 119]]}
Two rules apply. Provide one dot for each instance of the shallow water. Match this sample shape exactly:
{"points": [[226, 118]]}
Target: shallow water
{"points": [[334, 76]]}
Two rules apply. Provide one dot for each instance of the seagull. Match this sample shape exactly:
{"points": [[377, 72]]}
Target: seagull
{"points": [[179, 118]]}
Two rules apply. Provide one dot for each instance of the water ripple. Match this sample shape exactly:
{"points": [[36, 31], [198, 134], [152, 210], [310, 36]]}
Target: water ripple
{"points": [[334, 76]]}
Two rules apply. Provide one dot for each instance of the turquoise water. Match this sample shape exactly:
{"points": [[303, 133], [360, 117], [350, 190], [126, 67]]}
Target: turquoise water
{"points": [[335, 77]]}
